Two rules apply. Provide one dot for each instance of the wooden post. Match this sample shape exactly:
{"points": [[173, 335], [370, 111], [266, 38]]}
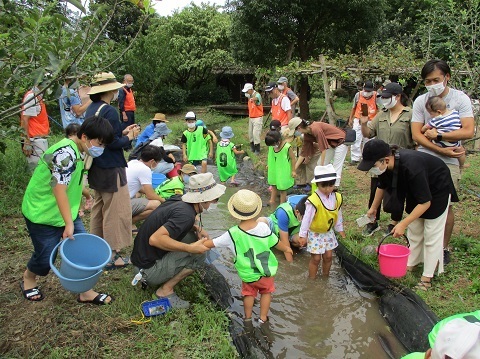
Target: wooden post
{"points": [[326, 89]]}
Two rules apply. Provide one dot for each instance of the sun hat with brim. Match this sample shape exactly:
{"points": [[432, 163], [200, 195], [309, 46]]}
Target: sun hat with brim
{"points": [[202, 188], [247, 87], [368, 86], [293, 124], [270, 86], [227, 132], [188, 169], [159, 117], [245, 204], [281, 80], [161, 129], [373, 151], [104, 82], [392, 89], [458, 338], [324, 174]]}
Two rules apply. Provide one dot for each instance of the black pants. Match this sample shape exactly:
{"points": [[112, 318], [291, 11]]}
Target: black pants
{"points": [[130, 121], [373, 188]]}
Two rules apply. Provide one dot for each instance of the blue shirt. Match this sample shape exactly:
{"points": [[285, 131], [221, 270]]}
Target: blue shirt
{"points": [[282, 218], [66, 103], [145, 135]]}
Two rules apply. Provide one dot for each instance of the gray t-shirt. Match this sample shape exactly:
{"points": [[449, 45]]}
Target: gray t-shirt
{"points": [[455, 100]]}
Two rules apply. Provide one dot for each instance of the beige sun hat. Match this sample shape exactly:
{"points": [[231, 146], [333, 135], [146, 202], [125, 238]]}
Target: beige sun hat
{"points": [[160, 117], [104, 82], [202, 188], [188, 169], [245, 204]]}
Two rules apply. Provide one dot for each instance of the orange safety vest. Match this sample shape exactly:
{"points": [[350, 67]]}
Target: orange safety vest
{"points": [[37, 125], [278, 113], [129, 104], [371, 103], [254, 110]]}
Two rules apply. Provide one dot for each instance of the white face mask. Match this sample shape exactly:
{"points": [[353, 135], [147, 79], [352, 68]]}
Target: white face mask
{"points": [[436, 90], [388, 103], [115, 96], [377, 171], [367, 93], [211, 208], [191, 124], [281, 87], [247, 95], [129, 85]]}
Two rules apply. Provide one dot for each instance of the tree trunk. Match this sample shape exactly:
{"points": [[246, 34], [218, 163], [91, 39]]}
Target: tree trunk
{"points": [[304, 106], [326, 88]]}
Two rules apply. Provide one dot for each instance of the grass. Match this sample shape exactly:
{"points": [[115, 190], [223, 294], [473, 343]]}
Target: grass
{"points": [[59, 327]]}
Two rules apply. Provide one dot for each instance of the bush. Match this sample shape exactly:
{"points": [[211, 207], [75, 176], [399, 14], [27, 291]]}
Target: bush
{"points": [[170, 100], [208, 94], [341, 92]]}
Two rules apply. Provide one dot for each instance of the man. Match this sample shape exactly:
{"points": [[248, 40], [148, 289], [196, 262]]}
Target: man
{"points": [[169, 247], [255, 114], [282, 84], [148, 131], [281, 109], [126, 102], [72, 107], [34, 122], [435, 75], [367, 98], [139, 180]]}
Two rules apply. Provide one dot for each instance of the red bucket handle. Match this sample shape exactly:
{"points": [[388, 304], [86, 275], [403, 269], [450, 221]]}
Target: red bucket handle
{"points": [[388, 235]]}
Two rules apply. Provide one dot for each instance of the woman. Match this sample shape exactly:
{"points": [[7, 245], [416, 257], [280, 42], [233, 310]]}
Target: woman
{"points": [[392, 126], [323, 137], [423, 182], [111, 215]]}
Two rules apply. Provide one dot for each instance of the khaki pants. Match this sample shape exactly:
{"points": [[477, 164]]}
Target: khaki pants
{"points": [[39, 146], [255, 129], [305, 172]]}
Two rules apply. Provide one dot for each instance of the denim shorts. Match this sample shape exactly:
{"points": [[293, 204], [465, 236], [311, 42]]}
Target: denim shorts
{"points": [[44, 239]]}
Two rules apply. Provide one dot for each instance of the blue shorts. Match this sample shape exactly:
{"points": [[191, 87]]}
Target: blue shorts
{"points": [[44, 239], [198, 162]]}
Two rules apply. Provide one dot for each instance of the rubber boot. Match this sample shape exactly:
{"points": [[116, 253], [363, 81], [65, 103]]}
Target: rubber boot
{"points": [[256, 149], [252, 147]]}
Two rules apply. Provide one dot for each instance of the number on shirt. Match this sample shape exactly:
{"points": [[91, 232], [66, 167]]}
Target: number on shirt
{"points": [[223, 159], [330, 224], [262, 257]]}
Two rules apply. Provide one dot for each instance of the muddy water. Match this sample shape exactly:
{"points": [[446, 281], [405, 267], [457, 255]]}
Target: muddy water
{"points": [[325, 318]]}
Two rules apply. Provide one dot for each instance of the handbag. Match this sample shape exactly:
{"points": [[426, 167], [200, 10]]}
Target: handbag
{"points": [[350, 136]]}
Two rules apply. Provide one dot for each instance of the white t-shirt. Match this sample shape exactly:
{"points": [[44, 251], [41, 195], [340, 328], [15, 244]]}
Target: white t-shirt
{"points": [[285, 105], [32, 106], [261, 230], [455, 100], [157, 142], [138, 174]]}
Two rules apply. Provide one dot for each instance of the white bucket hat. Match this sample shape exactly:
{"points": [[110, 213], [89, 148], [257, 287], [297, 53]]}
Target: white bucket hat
{"points": [[104, 82], [459, 339], [324, 173], [245, 204], [202, 188]]}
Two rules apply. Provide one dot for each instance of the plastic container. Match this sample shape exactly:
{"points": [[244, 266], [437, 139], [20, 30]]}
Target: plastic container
{"points": [[82, 261], [156, 307], [295, 198], [158, 179], [393, 258], [174, 172]]}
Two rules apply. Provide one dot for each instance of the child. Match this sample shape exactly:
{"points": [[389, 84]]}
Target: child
{"points": [[251, 244], [213, 137], [194, 141], [322, 215], [281, 163], [176, 185], [444, 121], [225, 156]]}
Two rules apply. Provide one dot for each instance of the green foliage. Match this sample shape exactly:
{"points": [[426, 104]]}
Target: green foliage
{"points": [[170, 100], [208, 94]]}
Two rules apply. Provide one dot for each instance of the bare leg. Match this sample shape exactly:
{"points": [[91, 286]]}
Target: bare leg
{"points": [[167, 287], [273, 196], [248, 302], [283, 196], [326, 263], [448, 227], [313, 265], [204, 166], [29, 282], [265, 300]]}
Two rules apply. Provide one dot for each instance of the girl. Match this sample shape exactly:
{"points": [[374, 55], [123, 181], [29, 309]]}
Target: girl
{"points": [[322, 216], [281, 163]]}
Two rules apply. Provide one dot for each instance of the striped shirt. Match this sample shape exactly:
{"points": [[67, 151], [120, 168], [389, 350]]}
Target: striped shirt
{"points": [[448, 123]]}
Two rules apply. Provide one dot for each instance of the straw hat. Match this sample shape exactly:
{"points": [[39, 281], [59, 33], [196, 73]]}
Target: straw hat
{"points": [[324, 173], [245, 204], [202, 188], [188, 169], [104, 82], [160, 117]]}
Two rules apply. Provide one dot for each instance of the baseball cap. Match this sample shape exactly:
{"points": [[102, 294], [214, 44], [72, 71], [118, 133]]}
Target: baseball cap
{"points": [[282, 80], [458, 339], [247, 87], [275, 125], [368, 86], [373, 151], [190, 115], [391, 89], [270, 86]]}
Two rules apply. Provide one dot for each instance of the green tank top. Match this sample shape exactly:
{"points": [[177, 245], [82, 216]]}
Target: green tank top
{"points": [[293, 223], [271, 177], [39, 204], [170, 187], [226, 161], [195, 144], [281, 168], [254, 257]]}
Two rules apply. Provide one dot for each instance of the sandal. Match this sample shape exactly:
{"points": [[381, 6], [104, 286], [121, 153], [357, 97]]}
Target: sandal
{"points": [[28, 294], [424, 285], [111, 265], [98, 300]]}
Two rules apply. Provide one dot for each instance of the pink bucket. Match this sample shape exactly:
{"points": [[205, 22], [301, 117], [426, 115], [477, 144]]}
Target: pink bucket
{"points": [[392, 259]]}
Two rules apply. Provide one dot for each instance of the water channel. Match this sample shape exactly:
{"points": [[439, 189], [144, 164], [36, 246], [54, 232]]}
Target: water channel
{"points": [[325, 318]]}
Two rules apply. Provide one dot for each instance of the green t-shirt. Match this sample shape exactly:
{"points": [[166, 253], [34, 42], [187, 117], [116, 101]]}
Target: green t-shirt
{"points": [[280, 168], [226, 161], [195, 143]]}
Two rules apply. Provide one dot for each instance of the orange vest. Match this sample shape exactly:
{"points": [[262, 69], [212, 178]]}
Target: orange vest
{"points": [[129, 104], [371, 103], [38, 125], [254, 110], [278, 113]]}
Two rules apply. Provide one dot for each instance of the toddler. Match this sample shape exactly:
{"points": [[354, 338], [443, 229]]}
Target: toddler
{"points": [[225, 156]]}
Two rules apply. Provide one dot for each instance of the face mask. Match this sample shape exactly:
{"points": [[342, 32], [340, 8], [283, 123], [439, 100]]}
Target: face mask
{"points": [[129, 85], [388, 103], [247, 95], [436, 90], [115, 96], [213, 207], [191, 124], [367, 93], [281, 87], [297, 133], [95, 151], [186, 179], [377, 171]]}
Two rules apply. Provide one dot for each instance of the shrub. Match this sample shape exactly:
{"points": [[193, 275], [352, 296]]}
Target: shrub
{"points": [[341, 92], [170, 100], [208, 94]]}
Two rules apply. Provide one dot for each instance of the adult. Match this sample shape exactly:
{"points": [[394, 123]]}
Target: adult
{"points": [[111, 214], [168, 246], [281, 109], [148, 131], [35, 125], [126, 102], [391, 125], [255, 115], [282, 84], [139, 179], [365, 99], [72, 107], [52, 201], [323, 137], [435, 75], [423, 183]]}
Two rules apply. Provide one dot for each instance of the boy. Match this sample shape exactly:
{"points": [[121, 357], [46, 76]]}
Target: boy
{"points": [[225, 156], [176, 185], [193, 143], [251, 243]]}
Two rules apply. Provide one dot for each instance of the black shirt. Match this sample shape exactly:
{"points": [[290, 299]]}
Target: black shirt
{"points": [[176, 216], [422, 178]]}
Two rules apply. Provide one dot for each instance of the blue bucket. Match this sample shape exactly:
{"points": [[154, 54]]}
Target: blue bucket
{"points": [[295, 198], [158, 179], [82, 263]]}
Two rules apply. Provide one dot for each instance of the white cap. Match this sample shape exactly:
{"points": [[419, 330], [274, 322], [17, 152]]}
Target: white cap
{"points": [[459, 339], [190, 115], [247, 87]]}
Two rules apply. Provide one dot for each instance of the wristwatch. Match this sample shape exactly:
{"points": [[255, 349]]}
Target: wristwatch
{"points": [[439, 137]]}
